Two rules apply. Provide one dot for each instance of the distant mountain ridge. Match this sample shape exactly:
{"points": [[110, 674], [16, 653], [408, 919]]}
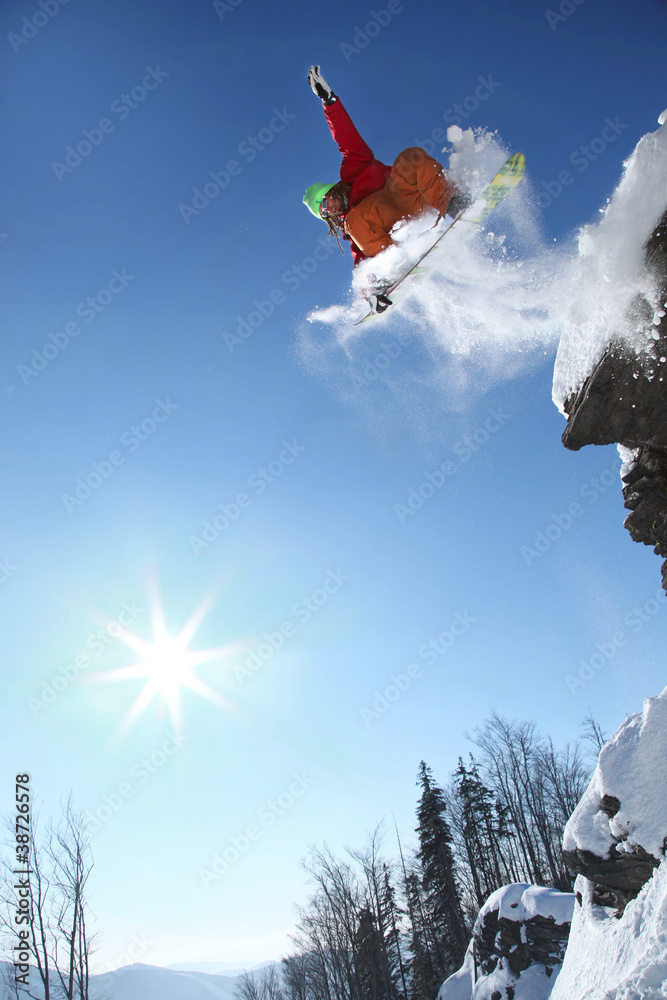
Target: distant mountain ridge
{"points": [[217, 968], [150, 982]]}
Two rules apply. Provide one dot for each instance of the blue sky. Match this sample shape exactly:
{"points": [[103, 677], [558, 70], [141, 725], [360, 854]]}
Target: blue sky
{"points": [[139, 390]]}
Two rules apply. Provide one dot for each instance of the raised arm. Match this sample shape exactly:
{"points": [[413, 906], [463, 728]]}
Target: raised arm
{"points": [[356, 153]]}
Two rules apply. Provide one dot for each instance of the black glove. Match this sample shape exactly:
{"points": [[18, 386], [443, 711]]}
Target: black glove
{"points": [[319, 85], [458, 204]]}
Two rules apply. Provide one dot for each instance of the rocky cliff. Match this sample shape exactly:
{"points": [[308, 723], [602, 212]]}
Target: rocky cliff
{"points": [[624, 401]]}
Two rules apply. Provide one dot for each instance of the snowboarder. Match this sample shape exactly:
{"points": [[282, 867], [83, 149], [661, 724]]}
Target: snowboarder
{"points": [[371, 197]]}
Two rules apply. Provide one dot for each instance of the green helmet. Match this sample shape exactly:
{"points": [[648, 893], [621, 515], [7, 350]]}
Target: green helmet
{"points": [[314, 195]]}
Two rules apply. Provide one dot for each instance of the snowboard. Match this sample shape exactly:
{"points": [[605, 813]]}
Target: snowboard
{"points": [[498, 188]]}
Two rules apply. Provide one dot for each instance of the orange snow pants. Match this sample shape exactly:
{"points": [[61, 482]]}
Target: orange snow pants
{"points": [[416, 182]]}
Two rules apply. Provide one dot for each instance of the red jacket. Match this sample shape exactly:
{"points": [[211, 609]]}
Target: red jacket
{"points": [[359, 167]]}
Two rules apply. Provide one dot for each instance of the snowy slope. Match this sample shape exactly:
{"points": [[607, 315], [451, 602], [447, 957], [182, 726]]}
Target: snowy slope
{"points": [[612, 959]]}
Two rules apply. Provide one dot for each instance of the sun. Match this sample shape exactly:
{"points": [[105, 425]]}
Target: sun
{"points": [[168, 666]]}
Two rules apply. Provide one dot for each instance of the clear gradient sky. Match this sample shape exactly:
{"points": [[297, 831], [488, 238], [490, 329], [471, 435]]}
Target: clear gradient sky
{"points": [[126, 298]]}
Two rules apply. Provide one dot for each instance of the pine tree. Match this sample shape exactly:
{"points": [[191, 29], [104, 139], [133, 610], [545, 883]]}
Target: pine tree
{"points": [[369, 959], [424, 975], [392, 918], [380, 901], [484, 827], [442, 902], [419, 967]]}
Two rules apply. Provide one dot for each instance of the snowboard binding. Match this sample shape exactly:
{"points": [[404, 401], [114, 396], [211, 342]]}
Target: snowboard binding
{"points": [[379, 303]]}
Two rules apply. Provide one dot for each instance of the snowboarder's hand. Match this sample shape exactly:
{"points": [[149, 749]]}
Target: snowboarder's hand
{"points": [[319, 85]]}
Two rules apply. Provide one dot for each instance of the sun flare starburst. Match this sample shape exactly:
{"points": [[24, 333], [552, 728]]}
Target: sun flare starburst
{"points": [[168, 666]]}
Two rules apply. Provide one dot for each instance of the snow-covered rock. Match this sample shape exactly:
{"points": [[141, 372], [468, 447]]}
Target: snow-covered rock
{"points": [[518, 943], [611, 268], [616, 835]]}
